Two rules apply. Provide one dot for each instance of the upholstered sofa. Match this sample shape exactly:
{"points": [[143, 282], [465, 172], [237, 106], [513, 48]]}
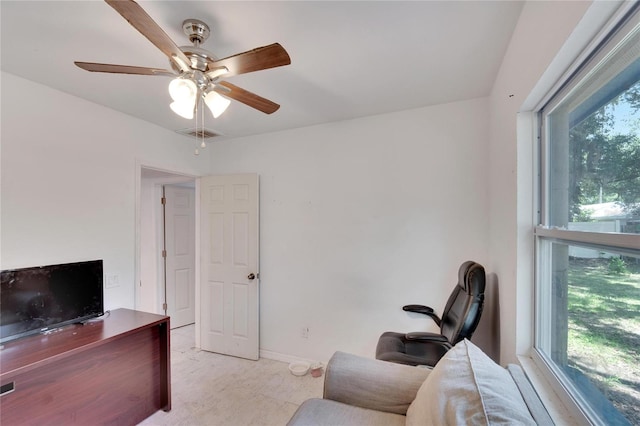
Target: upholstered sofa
{"points": [[465, 388]]}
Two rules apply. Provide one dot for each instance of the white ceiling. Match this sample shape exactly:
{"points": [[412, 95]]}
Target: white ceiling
{"points": [[349, 58]]}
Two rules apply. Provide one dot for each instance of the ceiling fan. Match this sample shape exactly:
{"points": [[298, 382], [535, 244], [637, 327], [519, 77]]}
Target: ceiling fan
{"points": [[196, 71]]}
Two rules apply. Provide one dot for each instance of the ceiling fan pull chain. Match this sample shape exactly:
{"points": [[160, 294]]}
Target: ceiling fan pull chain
{"points": [[200, 129], [203, 144], [197, 151]]}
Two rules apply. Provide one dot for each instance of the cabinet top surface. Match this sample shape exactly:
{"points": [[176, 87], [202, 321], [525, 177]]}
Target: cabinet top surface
{"points": [[22, 353]]}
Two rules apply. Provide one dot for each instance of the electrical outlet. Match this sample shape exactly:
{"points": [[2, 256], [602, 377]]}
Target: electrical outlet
{"points": [[305, 332], [113, 280]]}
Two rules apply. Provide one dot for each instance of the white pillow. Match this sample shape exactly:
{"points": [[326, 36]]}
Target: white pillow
{"points": [[467, 387]]}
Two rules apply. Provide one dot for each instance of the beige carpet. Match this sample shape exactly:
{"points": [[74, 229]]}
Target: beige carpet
{"points": [[212, 389]]}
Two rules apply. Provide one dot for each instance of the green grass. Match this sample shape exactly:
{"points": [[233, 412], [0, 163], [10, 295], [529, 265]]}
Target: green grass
{"points": [[604, 329]]}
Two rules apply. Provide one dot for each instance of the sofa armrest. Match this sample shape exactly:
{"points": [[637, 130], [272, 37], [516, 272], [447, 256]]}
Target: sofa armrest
{"points": [[373, 384], [529, 395]]}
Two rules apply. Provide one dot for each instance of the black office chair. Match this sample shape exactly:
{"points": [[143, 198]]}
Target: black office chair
{"points": [[459, 320]]}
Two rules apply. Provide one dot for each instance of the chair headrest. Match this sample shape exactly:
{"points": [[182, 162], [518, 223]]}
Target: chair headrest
{"points": [[471, 277]]}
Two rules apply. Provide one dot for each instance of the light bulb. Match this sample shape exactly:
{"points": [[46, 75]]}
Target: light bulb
{"points": [[216, 103], [182, 89], [183, 109]]}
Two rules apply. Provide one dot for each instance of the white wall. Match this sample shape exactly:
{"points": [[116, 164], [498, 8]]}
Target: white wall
{"points": [[69, 172], [358, 217], [361, 217]]}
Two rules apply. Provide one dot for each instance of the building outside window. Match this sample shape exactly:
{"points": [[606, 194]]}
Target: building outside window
{"points": [[587, 332]]}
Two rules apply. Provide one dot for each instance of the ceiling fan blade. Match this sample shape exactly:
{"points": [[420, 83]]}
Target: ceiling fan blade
{"points": [[261, 58], [247, 98], [123, 69], [141, 21]]}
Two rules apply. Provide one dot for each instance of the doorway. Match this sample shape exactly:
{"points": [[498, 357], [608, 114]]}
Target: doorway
{"points": [[154, 293]]}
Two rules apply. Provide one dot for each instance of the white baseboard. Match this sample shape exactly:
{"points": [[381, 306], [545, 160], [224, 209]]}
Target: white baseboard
{"points": [[276, 356]]}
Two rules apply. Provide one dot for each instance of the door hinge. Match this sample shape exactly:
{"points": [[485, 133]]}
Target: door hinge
{"points": [[163, 201], [164, 253], [164, 306]]}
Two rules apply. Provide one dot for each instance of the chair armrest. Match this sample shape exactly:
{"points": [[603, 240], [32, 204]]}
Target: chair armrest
{"points": [[423, 336], [373, 384], [425, 310], [418, 309]]}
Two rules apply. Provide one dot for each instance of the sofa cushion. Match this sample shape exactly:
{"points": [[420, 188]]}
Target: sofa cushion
{"points": [[317, 411], [371, 383], [467, 387]]}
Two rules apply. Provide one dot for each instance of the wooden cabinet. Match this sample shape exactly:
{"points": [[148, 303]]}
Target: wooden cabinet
{"points": [[110, 371]]}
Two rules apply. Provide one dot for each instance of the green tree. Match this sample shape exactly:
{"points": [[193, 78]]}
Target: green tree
{"points": [[605, 166], [632, 96]]}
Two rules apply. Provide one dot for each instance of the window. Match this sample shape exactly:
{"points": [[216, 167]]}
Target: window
{"points": [[587, 332]]}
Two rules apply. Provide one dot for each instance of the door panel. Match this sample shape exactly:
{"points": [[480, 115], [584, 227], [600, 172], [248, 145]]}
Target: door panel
{"points": [[240, 310], [240, 239], [229, 246], [182, 295], [213, 318]]}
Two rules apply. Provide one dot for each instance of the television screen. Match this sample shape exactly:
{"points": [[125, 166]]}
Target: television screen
{"points": [[41, 298]]}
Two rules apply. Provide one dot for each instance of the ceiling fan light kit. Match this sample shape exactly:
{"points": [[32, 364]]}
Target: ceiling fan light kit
{"points": [[182, 89], [216, 103], [197, 72], [187, 90], [183, 109]]}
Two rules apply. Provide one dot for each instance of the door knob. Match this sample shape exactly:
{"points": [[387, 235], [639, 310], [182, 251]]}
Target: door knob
{"points": [[251, 276]]}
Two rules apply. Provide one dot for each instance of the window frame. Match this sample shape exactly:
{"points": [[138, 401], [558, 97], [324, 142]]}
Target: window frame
{"points": [[613, 33]]}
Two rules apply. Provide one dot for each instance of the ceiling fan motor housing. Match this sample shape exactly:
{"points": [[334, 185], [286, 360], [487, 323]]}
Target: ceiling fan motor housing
{"points": [[196, 30]]}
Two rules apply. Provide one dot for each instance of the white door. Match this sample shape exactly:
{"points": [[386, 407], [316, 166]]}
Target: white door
{"points": [[229, 265], [180, 281]]}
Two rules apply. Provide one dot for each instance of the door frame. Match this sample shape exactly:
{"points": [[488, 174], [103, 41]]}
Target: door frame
{"points": [[164, 176], [179, 176]]}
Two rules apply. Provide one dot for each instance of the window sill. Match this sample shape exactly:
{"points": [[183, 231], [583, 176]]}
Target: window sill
{"points": [[550, 399]]}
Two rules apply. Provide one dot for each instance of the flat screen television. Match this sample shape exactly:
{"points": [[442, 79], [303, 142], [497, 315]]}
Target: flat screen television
{"points": [[41, 298]]}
